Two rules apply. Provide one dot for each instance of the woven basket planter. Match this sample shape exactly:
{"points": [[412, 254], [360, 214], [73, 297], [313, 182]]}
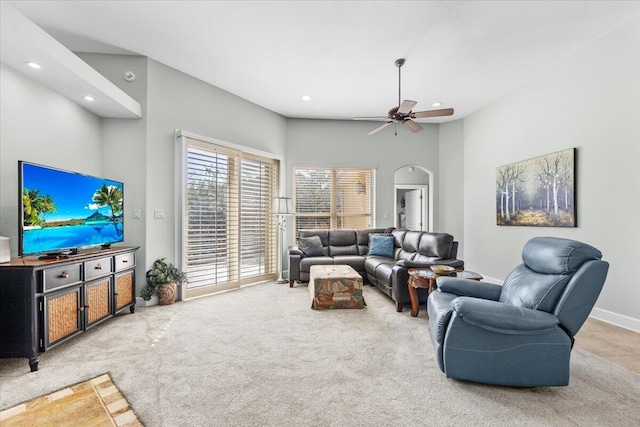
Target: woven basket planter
{"points": [[167, 293]]}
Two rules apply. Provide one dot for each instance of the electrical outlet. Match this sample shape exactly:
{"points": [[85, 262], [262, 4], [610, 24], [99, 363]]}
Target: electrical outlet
{"points": [[136, 214], [158, 213]]}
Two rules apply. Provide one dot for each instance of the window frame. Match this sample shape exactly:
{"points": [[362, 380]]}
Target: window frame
{"points": [[335, 218], [243, 153]]}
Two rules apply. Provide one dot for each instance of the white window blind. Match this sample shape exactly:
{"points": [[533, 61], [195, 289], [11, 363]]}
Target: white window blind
{"points": [[258, 243], [230, 234], [332, 197]]}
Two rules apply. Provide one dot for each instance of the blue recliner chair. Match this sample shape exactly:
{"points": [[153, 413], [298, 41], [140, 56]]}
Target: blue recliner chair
{"points": [[519, 334]]}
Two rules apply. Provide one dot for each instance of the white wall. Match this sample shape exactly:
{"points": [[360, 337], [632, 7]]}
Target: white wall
{"points": [[590, 101], [345, 143], [40, 126]]}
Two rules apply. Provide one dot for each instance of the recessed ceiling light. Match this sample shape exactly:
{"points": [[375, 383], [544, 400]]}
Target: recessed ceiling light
{"points": [[89, 98], [34, 65], [436, 104], [306, 98]]}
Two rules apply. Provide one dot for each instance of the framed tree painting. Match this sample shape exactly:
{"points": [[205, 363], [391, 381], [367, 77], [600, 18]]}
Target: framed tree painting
{"points": [[538, 192]]}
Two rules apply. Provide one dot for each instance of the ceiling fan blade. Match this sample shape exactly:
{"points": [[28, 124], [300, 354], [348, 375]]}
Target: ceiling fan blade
{"points": [[373, 119], [432, 113], [412, 126], [406, 106], [380, 128]]}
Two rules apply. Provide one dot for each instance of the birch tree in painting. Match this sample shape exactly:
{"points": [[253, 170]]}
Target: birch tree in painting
{"points": [[538, 192]]}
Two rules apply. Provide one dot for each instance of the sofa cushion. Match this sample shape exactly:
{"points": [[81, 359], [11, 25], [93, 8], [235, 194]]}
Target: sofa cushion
{"points": [[354, 261], [435, 245], [342, 242], [372, 263], [399, 236], [307, 262], [411, 241], [381, 245], [311, 246]]}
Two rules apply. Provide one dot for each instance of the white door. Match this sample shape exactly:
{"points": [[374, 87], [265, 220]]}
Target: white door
{"points": [[414, 208]]}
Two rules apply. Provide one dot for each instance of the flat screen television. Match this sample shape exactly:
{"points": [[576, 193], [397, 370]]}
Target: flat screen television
{"points": [[62, 211]]}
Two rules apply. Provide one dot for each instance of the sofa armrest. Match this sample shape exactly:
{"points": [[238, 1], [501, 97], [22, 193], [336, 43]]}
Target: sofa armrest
{"points": [[503, 318], [452, 262], [295, 256], [456, 263], [469, 288], [294, 250]]}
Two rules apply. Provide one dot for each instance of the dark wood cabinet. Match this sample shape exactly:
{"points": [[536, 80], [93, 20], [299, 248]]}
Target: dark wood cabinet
{"points": [[46, 302]]}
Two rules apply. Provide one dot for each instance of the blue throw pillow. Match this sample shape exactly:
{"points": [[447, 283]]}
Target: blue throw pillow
{"points": [[381, 245]]}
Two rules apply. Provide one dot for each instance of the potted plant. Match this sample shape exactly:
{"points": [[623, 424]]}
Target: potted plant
{"points": [[163, 279]]}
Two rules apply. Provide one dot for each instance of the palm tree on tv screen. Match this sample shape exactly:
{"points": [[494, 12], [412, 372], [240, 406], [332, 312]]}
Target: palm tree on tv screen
{"points": [[36, 206], [109, 195]]}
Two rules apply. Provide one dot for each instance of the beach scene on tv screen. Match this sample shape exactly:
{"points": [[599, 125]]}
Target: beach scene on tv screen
{"points": [[63, 210]]}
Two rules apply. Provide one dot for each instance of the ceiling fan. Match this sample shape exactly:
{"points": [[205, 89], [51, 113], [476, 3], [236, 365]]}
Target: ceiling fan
{"points": [[402, 113]]}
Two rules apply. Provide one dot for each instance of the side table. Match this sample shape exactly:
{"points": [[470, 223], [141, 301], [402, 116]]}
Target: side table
{"points": [[425, 278]]}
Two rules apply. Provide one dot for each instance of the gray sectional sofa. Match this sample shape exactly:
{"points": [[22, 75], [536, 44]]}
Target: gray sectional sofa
{"points": [[390, 274]]}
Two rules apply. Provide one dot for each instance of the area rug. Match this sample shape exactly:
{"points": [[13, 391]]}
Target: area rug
{"points": [[96, 402]]}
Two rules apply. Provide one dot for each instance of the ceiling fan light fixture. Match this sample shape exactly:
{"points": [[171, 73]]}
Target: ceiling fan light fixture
{"points": [[436, 104], [306, 98], [403, 113]]}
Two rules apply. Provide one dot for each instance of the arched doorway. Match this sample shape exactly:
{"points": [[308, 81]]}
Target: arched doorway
{"points": [[413, 198]]}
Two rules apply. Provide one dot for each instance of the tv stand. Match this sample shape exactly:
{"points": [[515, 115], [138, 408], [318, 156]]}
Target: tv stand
{"points": [[107, 246], [45, 302]]}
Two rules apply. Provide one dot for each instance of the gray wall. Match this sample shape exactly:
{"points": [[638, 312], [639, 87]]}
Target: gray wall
{"points": [[345, 143], [124, 146], [179, 101], [43, 127], [452, 171], [590, 101], [40, 126]]}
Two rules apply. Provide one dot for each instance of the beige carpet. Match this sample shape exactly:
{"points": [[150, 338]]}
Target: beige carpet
{"points": [[261, 356], [94, 403]]}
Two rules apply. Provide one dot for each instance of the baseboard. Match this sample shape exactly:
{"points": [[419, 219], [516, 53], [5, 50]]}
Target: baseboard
{"points": [[616, 319]]}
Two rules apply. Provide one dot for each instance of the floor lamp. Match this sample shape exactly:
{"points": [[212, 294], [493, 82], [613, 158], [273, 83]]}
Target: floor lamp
{"points": [[282, 206]]}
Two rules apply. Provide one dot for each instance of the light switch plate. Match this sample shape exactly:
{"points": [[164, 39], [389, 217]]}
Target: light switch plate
{"points": [[136, 214], [158, 213]]}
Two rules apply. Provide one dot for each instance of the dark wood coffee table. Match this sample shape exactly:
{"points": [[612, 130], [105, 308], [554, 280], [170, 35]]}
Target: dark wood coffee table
{"points": [[425, 278]]}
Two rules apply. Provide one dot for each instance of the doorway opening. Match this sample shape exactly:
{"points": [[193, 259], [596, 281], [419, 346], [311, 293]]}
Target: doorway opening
{"points": [[412, 199]]}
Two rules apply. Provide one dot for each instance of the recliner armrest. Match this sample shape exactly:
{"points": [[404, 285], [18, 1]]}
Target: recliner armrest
{"points": [[469, 288], [503, 318]]}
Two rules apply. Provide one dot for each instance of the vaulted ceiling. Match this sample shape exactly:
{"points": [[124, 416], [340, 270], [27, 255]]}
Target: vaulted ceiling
{"points": [[463, 54]]}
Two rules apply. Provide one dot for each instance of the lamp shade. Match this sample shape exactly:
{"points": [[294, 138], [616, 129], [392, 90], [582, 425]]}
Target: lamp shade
{"points": [[282, 206]]}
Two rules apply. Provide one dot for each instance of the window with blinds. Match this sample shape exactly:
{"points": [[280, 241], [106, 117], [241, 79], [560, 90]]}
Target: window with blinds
{"points": [[258, 237], [332, 197], [229, 233]]}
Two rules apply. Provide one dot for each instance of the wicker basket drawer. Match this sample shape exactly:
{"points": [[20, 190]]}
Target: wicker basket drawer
{"points": [[125, 261], [61, 276], [97, 268]]}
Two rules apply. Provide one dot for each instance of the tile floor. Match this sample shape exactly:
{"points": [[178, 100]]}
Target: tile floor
{"points": [[613, 343]]}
